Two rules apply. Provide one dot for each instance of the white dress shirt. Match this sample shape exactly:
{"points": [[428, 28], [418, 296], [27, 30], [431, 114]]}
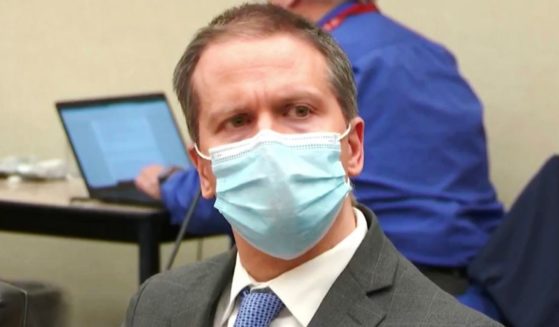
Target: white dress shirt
{"points": [[301, 289]]}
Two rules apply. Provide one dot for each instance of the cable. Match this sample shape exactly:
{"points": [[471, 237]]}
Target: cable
{"points": [[182, 231]]}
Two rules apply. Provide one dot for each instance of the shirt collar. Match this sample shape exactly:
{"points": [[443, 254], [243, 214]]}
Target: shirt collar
{"points": [[334, 12], [314, 278]]}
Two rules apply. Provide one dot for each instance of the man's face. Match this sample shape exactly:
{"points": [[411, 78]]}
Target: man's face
{"points": [[247, 85]]}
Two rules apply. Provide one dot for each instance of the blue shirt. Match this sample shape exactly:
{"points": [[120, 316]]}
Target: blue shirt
{"points": [[426, 169]]}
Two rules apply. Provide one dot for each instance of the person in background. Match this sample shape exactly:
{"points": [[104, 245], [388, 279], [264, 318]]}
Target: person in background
{"points": [[426, 167], [270, 105]]}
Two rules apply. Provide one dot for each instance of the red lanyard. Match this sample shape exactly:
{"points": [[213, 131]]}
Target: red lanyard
{"points": [[355, 9]]}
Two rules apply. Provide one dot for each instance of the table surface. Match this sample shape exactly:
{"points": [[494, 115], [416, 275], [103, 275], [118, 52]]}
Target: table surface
{"points": [[59, 193], [46, 208]]}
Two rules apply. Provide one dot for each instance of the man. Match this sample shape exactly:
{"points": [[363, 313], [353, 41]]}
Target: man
{"points": [[426, 170], [270, 105]]}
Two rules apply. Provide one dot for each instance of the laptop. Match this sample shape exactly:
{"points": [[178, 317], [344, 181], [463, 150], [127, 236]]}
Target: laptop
{"points": [[114, 138]]}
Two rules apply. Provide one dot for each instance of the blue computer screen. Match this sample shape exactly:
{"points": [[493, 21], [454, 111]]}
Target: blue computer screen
{"points": [[113, 141]]}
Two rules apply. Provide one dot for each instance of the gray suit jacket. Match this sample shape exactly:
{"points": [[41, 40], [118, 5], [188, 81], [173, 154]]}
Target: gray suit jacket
{"points": [[379, 287]]}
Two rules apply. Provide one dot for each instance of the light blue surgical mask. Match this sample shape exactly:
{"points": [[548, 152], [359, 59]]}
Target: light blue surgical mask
{"points": [[280, 192]]}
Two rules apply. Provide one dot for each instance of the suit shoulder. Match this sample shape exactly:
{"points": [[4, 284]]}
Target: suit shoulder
{"points": [[416, 298], [191, 274], [165, 295]]}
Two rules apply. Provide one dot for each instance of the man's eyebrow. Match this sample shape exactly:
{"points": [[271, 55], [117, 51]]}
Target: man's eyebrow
{"points": [[300, 94], [226, 111]]}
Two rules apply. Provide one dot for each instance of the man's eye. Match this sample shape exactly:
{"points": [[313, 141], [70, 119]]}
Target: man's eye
{"points": [[298, 111], [239, 120]]}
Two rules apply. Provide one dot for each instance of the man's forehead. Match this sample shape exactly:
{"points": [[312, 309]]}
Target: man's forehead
{"points": [[230, 74], [241, 38], [280, 49]]}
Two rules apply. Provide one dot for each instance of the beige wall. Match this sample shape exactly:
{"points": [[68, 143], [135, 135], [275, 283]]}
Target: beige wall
{"points": [[64, 49]]}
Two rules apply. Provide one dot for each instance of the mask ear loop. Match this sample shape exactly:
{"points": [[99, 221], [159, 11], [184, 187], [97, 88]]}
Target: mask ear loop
{"points": [[203, 156], [341, 137], [346, 132]]}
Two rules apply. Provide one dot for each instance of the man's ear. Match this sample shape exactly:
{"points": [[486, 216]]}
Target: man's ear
{"points": [[355, 155], [204, 168]]}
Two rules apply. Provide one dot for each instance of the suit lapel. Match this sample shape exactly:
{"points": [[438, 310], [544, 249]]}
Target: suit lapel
{"points": [[201, 310], [355, 298]]}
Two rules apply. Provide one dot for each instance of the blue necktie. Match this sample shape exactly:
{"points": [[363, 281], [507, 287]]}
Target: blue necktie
{"points": [[258, 308]]}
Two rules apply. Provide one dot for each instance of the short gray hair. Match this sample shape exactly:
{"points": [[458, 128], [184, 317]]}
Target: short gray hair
{"points": [[259, 21]]}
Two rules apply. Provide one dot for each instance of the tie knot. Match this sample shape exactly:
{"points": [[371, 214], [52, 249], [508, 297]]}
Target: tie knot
{"points": [[258, 308]]}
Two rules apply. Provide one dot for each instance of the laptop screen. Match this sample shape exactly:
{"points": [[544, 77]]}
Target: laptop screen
{"points": [[113, 139]]}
